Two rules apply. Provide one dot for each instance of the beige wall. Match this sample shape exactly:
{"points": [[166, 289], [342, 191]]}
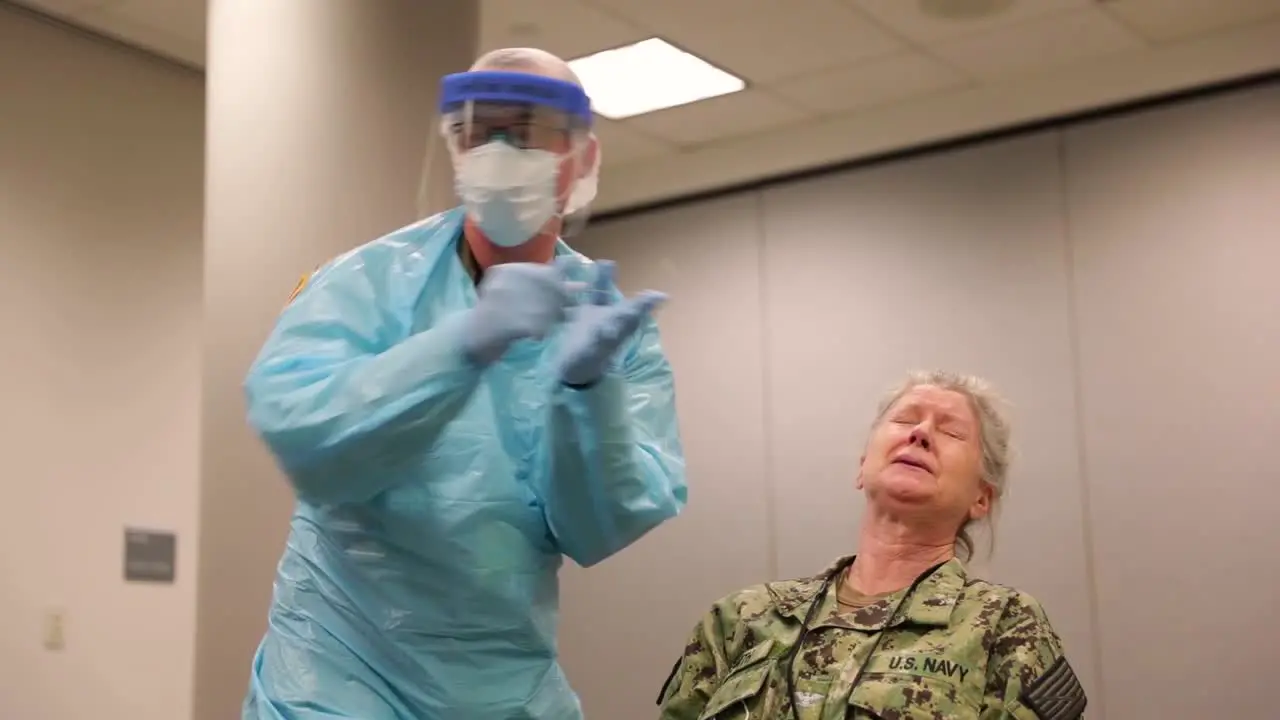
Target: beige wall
{"points": [[100, 283]]}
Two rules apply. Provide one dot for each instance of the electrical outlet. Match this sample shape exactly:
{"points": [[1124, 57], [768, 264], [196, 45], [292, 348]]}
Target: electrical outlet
{"points": [[55, 629]]}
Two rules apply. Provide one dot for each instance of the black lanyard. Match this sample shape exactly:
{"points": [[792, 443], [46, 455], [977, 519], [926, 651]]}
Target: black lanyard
{"points": [[790, 661]]}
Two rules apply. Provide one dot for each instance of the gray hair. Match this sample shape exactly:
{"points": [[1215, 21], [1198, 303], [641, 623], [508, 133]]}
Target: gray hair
{"points": [[993, 432]]}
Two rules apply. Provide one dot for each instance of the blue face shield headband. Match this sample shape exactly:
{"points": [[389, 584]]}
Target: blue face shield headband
{"points": [[459, 90], [526, 111]]}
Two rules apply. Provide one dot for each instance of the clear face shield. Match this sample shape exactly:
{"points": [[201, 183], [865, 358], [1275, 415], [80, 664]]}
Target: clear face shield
{"points": [[522, 152]]}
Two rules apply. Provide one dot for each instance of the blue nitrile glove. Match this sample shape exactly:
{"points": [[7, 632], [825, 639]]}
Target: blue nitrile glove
{"points": [[517, 301], [597, 329]]}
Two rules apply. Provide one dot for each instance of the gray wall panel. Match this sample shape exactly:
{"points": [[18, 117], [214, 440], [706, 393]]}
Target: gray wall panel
{"points": [[1174, 226], [1124, 300], [626, 621], [953, 261]]}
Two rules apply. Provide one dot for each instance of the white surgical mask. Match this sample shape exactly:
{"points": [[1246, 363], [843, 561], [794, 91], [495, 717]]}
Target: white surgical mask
{"points": [[508, 192]]}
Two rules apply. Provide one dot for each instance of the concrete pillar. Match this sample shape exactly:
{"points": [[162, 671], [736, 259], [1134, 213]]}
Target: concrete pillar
{"points": [[317, 118]]}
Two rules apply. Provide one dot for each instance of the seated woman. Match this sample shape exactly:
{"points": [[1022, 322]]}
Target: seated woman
{"points": [[899, 630]]}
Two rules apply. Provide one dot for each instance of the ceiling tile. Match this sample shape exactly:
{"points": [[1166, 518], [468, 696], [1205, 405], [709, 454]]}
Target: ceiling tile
{"points": [[620, 144], [145, 35], [907, 19], [568, 28], [763, 40], [1037, 45], [60, 8], [652, 13], [878, 82], [1163, 21], [180, 18], [725, 116]]}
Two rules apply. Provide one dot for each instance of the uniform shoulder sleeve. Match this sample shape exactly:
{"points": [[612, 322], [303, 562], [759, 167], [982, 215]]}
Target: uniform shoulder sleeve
{"points": [[1029, 676], [710, 651]]}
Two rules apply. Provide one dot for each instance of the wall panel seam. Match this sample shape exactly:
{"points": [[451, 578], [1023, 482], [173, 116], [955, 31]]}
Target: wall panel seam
{"points": [[1077, 386]]}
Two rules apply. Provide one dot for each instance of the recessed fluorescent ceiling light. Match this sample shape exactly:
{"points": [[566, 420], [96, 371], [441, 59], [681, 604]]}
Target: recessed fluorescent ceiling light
{"points": [[647, 76]]}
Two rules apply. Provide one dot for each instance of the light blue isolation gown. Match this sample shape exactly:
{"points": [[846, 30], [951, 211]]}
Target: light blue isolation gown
{"points": [[436, 499]]}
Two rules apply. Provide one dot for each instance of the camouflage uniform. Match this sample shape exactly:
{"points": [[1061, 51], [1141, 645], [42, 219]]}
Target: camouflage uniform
{"points": [[959, 648]]}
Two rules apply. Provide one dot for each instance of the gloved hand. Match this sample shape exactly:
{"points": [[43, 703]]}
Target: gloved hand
{"points": [[517, 301], [597, 330]]}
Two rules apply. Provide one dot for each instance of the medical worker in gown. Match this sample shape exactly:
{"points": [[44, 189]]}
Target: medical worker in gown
{"points": [[458, 405]]}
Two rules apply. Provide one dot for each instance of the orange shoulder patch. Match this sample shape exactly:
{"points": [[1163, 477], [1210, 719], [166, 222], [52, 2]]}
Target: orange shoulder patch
{"points": [[297, 289], [302, 284]]}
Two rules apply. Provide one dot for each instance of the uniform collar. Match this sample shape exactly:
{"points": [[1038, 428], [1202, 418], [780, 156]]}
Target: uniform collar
{"points": [[930, 604], [468, 260]]}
